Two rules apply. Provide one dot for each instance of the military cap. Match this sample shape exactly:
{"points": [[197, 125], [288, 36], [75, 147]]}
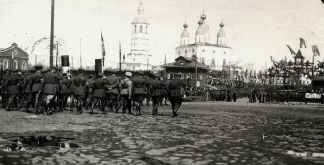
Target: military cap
{"points": [[44, 70], [114, 71], [15, 70], [81, 69], [100, 74], [64, 74], [32, 69], [91, 75], [140, 73], [38, 67], [128, 74]]}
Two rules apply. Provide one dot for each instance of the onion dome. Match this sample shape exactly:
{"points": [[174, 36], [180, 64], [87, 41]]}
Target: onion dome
{"points": [[221, 32], [185, 25], [140, 18], [203, 17], [200, 22]]}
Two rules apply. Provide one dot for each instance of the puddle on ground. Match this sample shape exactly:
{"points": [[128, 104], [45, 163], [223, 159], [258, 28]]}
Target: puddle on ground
{"points": [[305, 154], [22, 143]]}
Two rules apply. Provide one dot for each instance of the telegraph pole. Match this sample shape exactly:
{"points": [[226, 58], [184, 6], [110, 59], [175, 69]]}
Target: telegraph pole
{"points": [[52, 33]]}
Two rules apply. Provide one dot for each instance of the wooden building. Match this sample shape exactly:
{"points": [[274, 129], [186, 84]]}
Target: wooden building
{"points": [[13, 57], [185, 67]]}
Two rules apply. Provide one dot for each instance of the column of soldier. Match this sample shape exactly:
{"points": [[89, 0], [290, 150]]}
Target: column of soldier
{"points": [[49, 91]]}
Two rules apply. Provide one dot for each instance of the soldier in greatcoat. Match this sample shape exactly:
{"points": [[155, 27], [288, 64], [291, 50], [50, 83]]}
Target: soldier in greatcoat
{"points": [[79, 89], [139, 84], [66, 92], [156, 92], [49, 89], [99, 94], [28, 89], [113, 93], [13, 83], [175, 94], [89, 93], [4, 84], [125, 87], [35, 84]]}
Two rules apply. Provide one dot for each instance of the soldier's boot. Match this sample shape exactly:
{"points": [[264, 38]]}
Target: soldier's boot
{"points": [[139, 111], [27, 106], [103, 109]]}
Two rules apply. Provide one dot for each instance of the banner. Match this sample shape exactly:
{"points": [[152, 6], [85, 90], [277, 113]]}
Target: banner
{"points": [[312, 95]]}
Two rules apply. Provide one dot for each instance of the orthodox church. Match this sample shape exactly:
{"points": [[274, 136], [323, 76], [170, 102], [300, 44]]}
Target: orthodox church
{"points": [[139, 58], [214, 55]]}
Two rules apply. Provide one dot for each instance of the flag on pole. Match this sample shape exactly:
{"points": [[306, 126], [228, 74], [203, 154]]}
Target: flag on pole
{"points": [[315, 50], [103, 50], [291, 51], [120, 51], [302, 42]]}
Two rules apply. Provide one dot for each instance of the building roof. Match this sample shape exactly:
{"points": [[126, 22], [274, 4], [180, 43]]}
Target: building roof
{"points": [[190, 64], [205, 44], [140, 19]]}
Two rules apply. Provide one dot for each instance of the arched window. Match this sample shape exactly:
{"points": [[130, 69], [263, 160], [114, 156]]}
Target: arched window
{"points": [[135, 28], [186, 52], [179, 52], [141, 29], [5, 64], [15, 64], [24, 65]]}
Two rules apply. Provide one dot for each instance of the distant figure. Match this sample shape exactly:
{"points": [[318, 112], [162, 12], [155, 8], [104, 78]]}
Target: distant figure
{"points": [[234, 96]]}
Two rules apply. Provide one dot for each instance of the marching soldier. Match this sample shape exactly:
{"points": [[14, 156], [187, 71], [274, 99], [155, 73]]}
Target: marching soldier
{"points": [[89, 94], [156, 91], [49, 89], [138, 86], [113, 94], [99, 93], [175, 95], [125, 87], [35, 84], [28, 89], [4, 83], [66, 92], [13, 83], [79, 89], [59, 87]]}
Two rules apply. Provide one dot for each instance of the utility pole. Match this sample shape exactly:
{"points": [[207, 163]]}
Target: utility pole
{"points": [[52, 33], [56, 53]]}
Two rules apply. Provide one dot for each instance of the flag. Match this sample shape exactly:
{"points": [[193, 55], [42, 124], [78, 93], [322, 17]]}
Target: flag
{"points": [[302, 42], [315, 50], [291, 51], [103, 51]]}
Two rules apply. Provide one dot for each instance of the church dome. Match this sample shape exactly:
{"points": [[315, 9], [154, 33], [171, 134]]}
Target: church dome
{"points": [[184, 33], [203, 17], [221, 32], [185, 25], [200, 30], [140, 19]]}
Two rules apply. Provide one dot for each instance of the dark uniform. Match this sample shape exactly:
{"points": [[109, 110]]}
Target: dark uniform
{"points": [[13, 83], [35, 83], [138, 91], [49, 88], [28, 89], [175, 94], [99, 93], [113, 93], [79, 89], [66, 92], [89, 93], [125, 87], [156, 92], [4, 83]]}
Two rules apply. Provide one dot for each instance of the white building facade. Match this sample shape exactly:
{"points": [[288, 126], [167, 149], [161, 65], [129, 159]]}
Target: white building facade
{"points": [[139, 58], [212, 54]]}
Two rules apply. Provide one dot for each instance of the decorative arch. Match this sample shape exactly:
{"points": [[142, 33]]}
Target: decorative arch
{"points": [[141, 29], [5, 64], [135, 28], [24, 65], [15, 64]]}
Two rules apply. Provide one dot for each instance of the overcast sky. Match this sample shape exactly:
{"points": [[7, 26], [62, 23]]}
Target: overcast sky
{"points": [[255, 29]]}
